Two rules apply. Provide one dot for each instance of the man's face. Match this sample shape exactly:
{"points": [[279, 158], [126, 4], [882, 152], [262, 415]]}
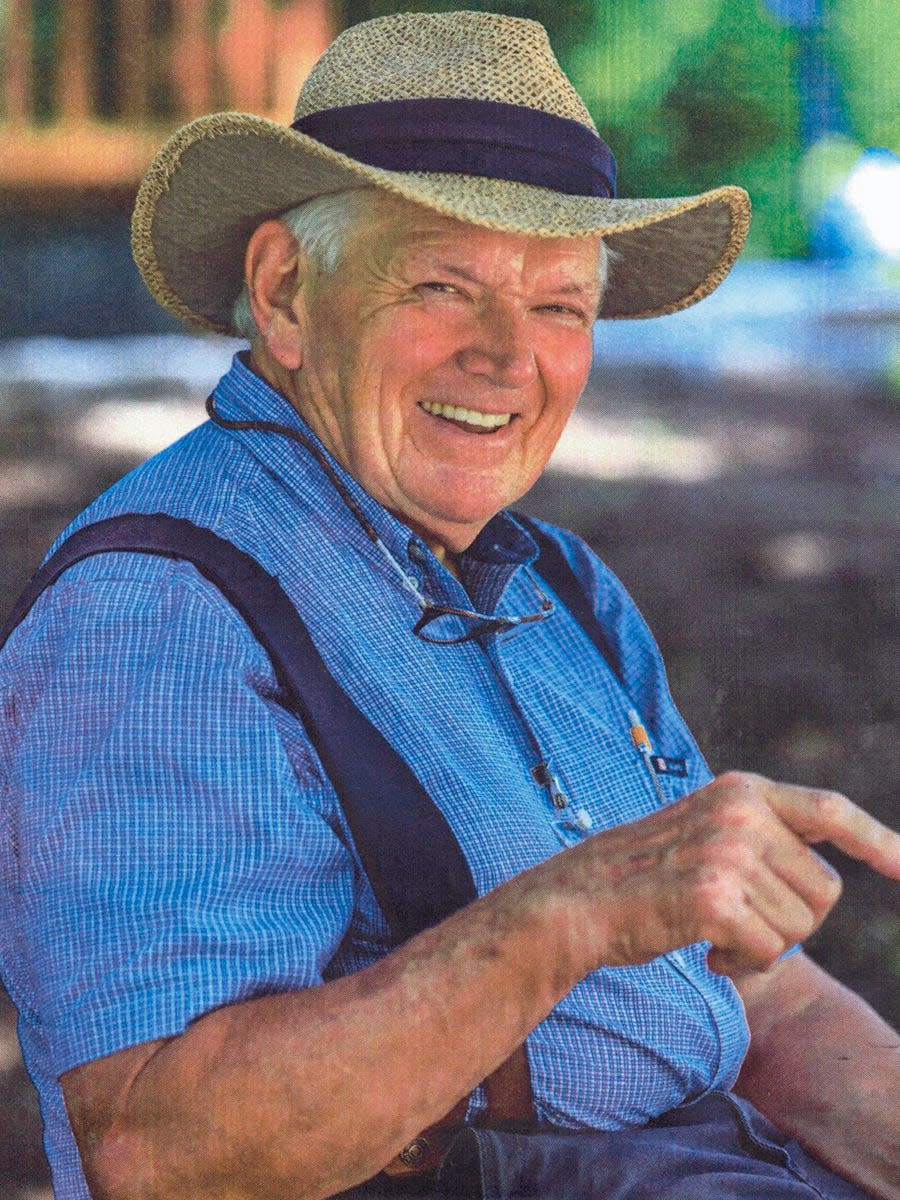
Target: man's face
{"points": [[442, 360]]}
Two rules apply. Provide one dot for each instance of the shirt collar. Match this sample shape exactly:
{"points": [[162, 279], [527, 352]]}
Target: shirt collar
{"points": [[242, 395]]}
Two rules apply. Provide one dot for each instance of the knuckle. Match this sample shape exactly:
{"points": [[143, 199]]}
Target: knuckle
{"points": [[742, 856], [830, 807], [738, 781], [717, 894], [729, 851], [741, 811]]}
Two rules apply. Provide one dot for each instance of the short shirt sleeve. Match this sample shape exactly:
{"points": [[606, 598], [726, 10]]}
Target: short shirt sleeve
{"points": [[172, 845]]}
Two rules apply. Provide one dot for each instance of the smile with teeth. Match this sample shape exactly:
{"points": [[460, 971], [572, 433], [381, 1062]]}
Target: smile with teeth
{"points": [[467, 416]]}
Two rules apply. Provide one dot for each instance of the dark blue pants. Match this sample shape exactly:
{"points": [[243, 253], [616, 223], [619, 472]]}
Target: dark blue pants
{"points": [[718, 1148]]}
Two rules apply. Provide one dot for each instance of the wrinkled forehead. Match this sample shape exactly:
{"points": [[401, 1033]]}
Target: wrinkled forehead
{"points": [[403, 236]]}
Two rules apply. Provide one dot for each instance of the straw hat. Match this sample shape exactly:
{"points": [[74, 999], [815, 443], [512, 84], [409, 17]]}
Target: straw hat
{"points": [[466, 113]]}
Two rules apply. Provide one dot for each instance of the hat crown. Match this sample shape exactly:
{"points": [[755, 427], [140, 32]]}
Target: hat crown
{"points": [[463, 55]]}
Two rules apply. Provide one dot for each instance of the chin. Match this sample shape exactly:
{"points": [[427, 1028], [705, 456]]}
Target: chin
{"points": [[461, 497], [459, 503], [457, 525]]}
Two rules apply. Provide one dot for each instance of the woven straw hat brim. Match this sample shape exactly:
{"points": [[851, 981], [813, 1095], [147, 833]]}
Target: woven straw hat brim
{"points": [[217, 178]]}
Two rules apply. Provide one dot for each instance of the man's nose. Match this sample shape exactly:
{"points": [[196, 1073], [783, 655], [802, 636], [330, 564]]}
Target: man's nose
{"points": [[499, 348]]}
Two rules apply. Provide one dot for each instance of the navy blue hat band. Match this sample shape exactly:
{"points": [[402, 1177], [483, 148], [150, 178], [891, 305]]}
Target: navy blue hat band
{"points": [[469, 137]]}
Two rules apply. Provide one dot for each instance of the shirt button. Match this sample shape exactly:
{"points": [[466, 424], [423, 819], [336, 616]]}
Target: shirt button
{"points": [[417, 552]]}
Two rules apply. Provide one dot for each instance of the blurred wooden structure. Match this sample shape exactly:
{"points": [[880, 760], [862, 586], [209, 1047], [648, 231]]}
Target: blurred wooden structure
{"points": [[90, 88]]}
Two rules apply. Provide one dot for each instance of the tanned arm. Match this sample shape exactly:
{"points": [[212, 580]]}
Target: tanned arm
{"points": [[824, 1067]]}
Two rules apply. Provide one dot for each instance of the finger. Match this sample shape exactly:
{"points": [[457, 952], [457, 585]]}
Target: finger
{"points": [[749, 930], [805, 873], [772, 916], [822, 816], [751, 945], [792, 910]]}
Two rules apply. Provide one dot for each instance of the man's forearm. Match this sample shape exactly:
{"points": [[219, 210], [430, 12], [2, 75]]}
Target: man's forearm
{"points": [[825, 1068], [306, 1093]]}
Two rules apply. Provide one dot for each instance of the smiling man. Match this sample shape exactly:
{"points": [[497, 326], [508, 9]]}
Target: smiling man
{"points": [[438, 363], [351, 839]]}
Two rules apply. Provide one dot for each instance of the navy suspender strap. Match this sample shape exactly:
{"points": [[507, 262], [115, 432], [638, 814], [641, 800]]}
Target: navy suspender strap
{"points": [[413, 861], [553, 567], [411, 857]]}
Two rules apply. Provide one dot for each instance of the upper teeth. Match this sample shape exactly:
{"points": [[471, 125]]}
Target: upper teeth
{"points": [[470, 416]]}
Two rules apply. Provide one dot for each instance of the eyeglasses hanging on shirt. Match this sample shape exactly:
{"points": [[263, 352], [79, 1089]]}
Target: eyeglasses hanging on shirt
{"points": [[450, 617], [454, 625]]}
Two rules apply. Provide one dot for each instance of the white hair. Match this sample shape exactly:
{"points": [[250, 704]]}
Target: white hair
{"points": [[321, 226]]}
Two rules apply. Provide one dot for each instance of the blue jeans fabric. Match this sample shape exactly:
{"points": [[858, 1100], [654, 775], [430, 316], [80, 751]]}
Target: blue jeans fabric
{"points": [[718, 1148]]}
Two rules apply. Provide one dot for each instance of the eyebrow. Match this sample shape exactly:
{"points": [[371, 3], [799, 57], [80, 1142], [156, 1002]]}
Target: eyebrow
{"points": [[576, 289], [460, 272]]}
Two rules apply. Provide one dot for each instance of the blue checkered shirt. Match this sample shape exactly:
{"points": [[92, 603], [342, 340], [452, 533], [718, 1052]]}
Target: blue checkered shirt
{"points": [[169, 841]]}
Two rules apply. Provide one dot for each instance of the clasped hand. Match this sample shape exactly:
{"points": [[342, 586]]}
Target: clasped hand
{"points": [[731, 863]]}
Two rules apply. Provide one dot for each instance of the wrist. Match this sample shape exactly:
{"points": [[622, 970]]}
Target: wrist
{"points": [[558, 907]]}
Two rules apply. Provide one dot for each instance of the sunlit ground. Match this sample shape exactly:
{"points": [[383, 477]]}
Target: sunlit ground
{"points": [[621, 448]]}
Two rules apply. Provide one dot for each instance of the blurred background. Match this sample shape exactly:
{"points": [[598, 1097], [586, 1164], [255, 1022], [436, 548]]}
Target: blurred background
{"points": [[736, 464]]}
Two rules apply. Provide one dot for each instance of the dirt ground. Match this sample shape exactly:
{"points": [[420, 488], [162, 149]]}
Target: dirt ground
{"points": [[767, 573]]}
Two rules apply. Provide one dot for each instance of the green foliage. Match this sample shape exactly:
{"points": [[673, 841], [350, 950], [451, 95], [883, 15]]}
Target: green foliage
{"points": [[703, 95], [625, 64], [45, 27], [862, 38]]}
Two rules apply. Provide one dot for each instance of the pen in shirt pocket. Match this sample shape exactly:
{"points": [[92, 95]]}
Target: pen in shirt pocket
{"points": [[641, 740]]}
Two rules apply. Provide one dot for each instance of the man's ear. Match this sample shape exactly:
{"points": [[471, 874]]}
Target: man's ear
{"points": [[274, 268]]}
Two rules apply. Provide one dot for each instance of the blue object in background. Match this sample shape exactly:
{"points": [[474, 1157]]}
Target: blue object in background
{"points": [[821, 95], [72, 273], [802, 14]]}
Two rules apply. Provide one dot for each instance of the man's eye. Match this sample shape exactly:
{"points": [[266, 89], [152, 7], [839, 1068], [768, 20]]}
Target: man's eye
{"points": [[564, 310], [434, 285]]}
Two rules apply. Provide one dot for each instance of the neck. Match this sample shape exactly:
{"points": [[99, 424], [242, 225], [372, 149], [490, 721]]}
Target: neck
{"points": [[445, 557]]}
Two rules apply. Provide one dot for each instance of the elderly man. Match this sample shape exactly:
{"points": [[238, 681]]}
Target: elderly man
{"points": [[350, 833]]}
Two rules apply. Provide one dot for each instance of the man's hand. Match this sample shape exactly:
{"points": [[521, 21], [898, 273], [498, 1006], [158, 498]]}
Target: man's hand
{"points": [[731, 864]]}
